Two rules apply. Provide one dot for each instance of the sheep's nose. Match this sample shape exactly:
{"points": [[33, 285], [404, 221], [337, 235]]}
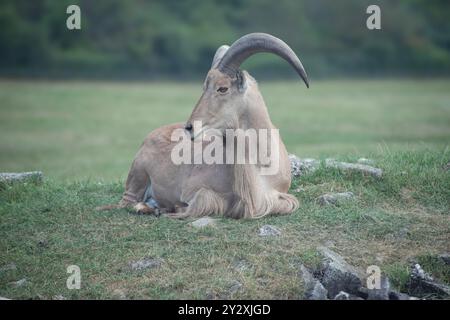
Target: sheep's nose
{"points": [[188, 126]]}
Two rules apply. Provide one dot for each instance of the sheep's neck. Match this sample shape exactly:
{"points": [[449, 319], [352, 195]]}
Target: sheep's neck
{"points": [[257, 118]]}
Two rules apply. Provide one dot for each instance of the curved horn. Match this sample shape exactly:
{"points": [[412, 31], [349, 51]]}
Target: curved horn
{"points": [[253, 43], [219, 55]]}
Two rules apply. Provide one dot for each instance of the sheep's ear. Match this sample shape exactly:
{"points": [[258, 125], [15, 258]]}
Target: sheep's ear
{"points": [[241, 81]]}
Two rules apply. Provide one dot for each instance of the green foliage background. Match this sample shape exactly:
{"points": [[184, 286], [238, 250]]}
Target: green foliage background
{"points": [[177, 39]]}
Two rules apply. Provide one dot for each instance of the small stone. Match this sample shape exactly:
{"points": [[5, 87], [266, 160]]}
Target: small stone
{"points": [[119, 294], [301, 167], [365, 161], [329, 244], [363, 168], [335, 198], [268, 231], [342, 295], [42, 243], [421, 283], [19, 283], [314, 290], [203, 222], [262, 281], [394, 295], [8, 267], [418, 273], [447, 166], [241, 265], [210, 295], [59, 297], [445, 257], [403, 233], [146, 263], [235, 287]]}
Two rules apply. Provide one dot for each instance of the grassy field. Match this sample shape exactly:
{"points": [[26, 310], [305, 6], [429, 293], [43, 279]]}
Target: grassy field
{"points": [[75, 131], [84, 136]]}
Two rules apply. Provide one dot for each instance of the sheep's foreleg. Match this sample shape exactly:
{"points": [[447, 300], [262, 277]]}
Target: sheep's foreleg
{"points": [[137, 183]]}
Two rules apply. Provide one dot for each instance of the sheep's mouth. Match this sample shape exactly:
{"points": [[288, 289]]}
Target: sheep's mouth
{"points": [[193, 135], [198, 134]]}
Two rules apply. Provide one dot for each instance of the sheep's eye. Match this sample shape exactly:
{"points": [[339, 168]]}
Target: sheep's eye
{"points": [[222, 89]]}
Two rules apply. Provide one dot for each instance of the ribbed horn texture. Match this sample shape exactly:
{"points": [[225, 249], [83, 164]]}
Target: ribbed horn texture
{"points": [[253, 43]]}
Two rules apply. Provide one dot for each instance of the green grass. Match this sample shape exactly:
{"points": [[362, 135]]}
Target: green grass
{"points": [[75, 130], [84, 136]]}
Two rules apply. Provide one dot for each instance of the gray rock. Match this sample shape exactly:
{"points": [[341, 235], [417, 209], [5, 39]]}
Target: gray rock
{"points": [[269, 231], [19, 283], [447, 166], [203, 222], [21, 176], [418, 273], [314, 290], [365, 161], [342, 295], [329, 243], [3, 298], [421, 283], [363, 168], [146, 263], [234, 287], [394, 295], [445, 257], [59, 297], [337, 275], [210, 295], [119, 294], [301, 167], [8, 267], [335, 198], [403, 233], [241, 265], [42, 243], [382, 293]]}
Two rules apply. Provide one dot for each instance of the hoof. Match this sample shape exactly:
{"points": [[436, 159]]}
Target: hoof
{"points": [[142, 208]]}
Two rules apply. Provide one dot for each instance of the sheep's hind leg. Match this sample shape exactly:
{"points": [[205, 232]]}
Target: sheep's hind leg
{"points": [[204, 202], [284, 203]]}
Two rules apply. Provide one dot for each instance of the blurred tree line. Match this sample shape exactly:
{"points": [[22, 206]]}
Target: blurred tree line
{"points": [[177, 39]]}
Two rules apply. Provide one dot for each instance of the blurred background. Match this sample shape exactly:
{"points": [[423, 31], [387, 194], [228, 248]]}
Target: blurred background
{"points": [[172, 39], [78, 103]]}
